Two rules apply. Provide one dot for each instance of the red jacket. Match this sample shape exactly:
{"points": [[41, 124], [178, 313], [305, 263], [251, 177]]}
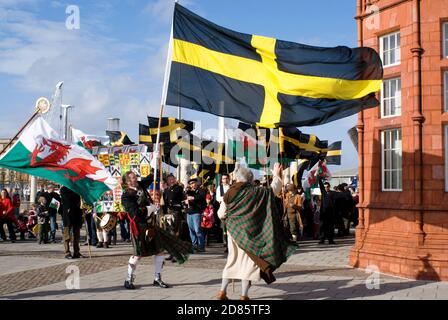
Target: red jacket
{"points": [[6, 208]]}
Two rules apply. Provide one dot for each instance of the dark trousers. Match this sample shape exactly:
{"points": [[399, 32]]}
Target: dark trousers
{"points": [[53, 226], [326, 228], [112, 236], [124, 229], [224, 232], [91, 229], [43, 233], [76, 233], [9, 224]]}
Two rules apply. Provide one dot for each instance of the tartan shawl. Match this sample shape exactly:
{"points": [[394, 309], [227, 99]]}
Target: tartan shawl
{"points": [[254, 222]]}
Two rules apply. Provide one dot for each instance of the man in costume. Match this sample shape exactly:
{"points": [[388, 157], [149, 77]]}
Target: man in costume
{"points": [[292, 204], [256, 240], [101, 234], [147, 237]]}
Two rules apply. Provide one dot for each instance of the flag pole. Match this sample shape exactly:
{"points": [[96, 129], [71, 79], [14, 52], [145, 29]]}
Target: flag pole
{"points": [[163, 102], [20, 131]]}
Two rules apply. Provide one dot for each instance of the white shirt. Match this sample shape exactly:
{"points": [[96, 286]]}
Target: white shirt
{"points": [[219, 196]]}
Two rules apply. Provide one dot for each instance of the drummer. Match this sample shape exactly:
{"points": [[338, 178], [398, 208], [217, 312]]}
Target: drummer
{"points": [[102, 233]]}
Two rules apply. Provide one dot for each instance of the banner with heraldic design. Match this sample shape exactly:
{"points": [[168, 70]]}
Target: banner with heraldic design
{"points": [[119, 160]]}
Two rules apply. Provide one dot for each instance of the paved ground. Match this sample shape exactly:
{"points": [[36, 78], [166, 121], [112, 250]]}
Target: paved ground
{"points": [[32, 271]]}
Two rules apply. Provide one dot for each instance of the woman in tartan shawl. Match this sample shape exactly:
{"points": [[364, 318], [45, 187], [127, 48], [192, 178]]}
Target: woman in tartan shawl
{"points": [[256, 241], [147, 238]]}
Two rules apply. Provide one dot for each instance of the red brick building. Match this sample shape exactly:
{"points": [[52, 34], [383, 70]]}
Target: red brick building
{"points": [[403, 144]]}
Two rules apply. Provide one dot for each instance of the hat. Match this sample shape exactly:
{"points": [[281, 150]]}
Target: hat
{"points": [[192, 180]]}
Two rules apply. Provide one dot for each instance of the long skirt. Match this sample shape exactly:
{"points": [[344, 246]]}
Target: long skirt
{"points": [[239, 265], [162, 241]]}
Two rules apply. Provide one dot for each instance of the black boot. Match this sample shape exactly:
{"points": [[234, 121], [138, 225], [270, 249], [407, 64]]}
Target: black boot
{"points": [[159, 283], [129, 284]]}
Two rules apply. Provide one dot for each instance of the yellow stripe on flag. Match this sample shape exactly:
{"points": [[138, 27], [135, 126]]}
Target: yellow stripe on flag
{"points": [[334, 153]]}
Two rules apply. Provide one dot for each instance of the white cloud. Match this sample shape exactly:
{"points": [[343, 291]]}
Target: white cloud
{"points": [[100, 77], [16, 3], [162, 10]]}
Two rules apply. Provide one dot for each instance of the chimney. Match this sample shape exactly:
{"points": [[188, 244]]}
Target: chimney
{"points": [[113, 124]]}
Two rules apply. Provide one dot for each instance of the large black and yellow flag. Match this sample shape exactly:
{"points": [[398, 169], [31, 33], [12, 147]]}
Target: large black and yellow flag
{"points": [[265, 81], [169, 130]]}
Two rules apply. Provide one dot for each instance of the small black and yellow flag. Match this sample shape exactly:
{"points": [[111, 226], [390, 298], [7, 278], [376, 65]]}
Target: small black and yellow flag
{"points": [[203, 151], [334, 153], [169, 130], [265, 81], [207, 172], [294, 144], [118, 138]]}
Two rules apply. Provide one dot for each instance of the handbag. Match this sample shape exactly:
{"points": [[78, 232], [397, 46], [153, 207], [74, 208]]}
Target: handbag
{"points": [[206, 223]]}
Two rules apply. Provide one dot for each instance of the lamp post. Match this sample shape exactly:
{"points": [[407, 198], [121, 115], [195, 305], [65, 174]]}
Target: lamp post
{"points": [[65, 109]]}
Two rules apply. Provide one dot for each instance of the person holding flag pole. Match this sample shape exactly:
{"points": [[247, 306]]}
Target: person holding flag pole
{"points": [[147, 237]]}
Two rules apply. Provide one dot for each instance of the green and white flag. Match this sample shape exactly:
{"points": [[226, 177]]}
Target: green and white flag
{"points": [[40, 152], [55, 204]]}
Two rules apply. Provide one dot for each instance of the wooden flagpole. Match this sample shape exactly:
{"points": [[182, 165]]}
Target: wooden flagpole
{"points": [[20, 131], [162, 103], [157, 151]]}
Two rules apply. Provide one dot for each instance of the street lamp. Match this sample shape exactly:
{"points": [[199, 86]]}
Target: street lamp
{"points": [[65, 133]]}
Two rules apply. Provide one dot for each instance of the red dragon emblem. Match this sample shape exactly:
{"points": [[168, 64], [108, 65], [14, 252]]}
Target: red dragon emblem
{"points": [[58, 152], [89, 144]]}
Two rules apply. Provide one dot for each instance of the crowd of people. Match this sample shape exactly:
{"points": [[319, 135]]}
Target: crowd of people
{"points": [[168, 217], [189, 212], [319, 216]]}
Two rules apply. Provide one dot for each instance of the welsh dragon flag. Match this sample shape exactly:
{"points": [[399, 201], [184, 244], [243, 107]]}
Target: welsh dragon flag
{"points": [[88, 141], [318, 170], [39, 152]]}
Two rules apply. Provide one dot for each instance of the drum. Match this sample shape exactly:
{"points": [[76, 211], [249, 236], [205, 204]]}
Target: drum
{"points": [[108, 222]]}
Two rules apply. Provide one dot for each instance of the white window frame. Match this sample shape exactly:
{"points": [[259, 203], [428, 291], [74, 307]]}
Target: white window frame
{"points": [[382, 49], [445, 40], [397, 98], [446, 158], [445, 91], [383, 180]]}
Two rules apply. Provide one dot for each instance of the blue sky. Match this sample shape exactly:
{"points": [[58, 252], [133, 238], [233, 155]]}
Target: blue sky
{"points": [[113, 66]]}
